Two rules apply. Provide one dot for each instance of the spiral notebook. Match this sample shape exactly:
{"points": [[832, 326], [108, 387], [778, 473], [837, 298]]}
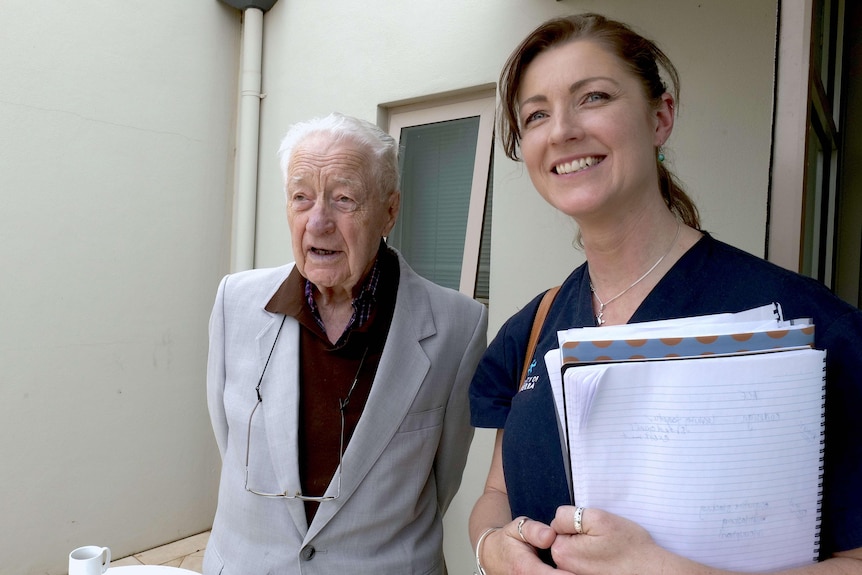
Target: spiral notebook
{"points": [[712, 441]]}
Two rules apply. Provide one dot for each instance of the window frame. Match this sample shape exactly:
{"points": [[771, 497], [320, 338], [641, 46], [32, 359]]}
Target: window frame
{"points": [[802, 234], [481, 103]]}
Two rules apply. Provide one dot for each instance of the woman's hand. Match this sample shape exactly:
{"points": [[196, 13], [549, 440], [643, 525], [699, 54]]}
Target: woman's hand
{"points": [[607, 544], [512, 550]]}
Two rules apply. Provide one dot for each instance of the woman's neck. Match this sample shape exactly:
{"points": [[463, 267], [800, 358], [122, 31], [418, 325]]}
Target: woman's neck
{"points": [[628, 258], [619, 251]]}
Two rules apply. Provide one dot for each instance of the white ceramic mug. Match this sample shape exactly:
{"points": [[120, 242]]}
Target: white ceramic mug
{"points": [[89, 560]]}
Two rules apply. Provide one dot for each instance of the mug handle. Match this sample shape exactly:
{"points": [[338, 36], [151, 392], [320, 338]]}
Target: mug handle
{"points": [[106, 561]]}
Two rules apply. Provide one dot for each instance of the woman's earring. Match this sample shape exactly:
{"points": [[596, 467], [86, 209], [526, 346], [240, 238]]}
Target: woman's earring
{"points": [[661, 156]]}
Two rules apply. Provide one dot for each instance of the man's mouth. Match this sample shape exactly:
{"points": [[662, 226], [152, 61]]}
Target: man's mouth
{"points": [[321, 252], [577, 165]]}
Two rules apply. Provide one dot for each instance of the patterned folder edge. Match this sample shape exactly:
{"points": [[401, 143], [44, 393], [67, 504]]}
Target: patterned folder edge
{"points": [[579, 352]]}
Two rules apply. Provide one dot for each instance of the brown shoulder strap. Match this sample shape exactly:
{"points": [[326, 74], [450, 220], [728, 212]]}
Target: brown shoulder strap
{"points": [[539, 320]]}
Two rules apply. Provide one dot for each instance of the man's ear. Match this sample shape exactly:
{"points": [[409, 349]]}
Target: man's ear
{"points": [[393, 205]]}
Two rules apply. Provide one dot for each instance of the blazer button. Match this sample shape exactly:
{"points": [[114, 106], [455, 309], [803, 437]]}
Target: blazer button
{"points": [[307, 553]]}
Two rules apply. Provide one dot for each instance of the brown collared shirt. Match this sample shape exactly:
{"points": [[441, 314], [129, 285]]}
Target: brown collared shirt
{"points": [[326, 371]]}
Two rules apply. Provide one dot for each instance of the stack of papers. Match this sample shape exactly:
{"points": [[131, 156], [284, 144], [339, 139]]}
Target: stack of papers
{"points": [[707, 431]]}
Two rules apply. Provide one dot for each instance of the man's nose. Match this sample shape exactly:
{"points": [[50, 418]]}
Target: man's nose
{"points": [[320, 218]]}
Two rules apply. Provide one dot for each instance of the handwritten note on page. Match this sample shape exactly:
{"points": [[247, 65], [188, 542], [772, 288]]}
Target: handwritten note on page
{"points": [[719, 458]]}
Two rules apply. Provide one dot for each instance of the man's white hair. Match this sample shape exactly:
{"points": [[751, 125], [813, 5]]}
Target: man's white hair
{"points": [[379, 145]]}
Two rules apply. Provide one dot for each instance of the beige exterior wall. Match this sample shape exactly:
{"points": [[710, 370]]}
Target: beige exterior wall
{"points": [[116, 167]]}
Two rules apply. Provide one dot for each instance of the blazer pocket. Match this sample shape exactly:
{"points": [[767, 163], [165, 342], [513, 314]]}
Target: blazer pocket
{"points": [[417, 420]]}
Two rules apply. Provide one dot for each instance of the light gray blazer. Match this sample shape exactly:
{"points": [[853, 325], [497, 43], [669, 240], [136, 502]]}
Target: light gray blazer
{"points": [[401, 468]]}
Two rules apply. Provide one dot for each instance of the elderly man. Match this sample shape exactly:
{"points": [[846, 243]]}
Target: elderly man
{"points": [[337, 385]]}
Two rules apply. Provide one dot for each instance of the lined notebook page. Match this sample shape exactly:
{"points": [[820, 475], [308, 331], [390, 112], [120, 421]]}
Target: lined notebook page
{"points": [[719, 458]]}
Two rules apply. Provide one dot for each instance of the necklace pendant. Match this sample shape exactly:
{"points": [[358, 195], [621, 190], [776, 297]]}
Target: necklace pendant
{"points": [[600, 315]]}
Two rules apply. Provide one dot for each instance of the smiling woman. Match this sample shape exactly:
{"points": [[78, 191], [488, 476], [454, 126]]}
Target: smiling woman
{"points": [[647, 64], [585, 106], [587, 110], [579, 106]]}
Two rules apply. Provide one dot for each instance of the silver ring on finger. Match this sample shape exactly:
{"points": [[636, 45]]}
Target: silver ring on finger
{"points": [[520, 526], [579, 517]]}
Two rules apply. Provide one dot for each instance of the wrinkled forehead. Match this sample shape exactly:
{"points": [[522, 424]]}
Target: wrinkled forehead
{"points": [[321, 154]]}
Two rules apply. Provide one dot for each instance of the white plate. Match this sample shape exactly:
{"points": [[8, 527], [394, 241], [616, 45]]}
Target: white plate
{"points": [[147, 570]]}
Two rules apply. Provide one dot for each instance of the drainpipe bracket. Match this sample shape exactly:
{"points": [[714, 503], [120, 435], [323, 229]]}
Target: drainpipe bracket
{"points": [[263, 5]]}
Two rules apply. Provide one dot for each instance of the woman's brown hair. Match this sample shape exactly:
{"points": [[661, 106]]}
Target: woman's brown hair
{"points": [[642, 57]]}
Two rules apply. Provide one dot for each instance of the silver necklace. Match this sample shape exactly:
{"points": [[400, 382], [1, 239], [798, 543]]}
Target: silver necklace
{"points": [[603, 304]]}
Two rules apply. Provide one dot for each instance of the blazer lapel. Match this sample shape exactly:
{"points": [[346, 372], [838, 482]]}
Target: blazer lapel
{"points": [[280, 393], [400, 374]]}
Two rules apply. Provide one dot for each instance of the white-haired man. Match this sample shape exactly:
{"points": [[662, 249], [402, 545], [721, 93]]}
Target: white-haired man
{"points": [[337, 384]]}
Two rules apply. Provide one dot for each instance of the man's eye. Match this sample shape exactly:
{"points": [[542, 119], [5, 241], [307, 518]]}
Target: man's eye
{"points": [[299, 200], [345, 203]]}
